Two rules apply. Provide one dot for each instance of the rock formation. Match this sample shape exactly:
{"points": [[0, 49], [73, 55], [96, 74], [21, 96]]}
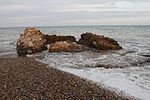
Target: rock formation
{"points": [[99, 42], [31, 41], [54, 38], [65, 46]]}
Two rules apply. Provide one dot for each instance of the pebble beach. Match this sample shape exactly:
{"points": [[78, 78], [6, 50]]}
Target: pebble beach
{"points": [[24, 78]]}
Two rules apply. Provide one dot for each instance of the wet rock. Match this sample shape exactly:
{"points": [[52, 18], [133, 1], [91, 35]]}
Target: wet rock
{"points": [[144, 53], [65, 46], [54, 38], [99, 42], [31, 41]]}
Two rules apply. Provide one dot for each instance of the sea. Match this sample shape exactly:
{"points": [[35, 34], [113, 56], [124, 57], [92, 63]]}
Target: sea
{"points": [[133, 78]]}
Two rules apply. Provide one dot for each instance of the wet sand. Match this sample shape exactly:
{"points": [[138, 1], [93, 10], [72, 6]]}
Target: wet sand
{"points": [[27, 79]]}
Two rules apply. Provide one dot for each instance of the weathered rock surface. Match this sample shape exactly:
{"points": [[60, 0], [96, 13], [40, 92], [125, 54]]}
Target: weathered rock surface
{"points": [[31, 41], [54, 38], [64, 46], [99, 42]]}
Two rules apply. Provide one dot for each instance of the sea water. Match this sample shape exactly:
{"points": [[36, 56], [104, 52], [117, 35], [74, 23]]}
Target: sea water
{"points": [[134, 76]]}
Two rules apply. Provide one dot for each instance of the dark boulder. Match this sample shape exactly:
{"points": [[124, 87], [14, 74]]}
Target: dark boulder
{"points": [[99, 42], [31, 41], [54, 38]]}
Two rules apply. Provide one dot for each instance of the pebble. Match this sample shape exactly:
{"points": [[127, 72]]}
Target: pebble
{"points": [[28, 79]]}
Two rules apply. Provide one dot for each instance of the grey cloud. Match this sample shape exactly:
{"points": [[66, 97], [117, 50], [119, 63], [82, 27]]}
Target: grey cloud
{"points": [[48, 12]]}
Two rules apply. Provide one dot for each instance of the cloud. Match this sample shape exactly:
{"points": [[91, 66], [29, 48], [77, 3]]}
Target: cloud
{"points": [[10, 8], [69, 12], [111, 21], [86, 7], [108, 6]]}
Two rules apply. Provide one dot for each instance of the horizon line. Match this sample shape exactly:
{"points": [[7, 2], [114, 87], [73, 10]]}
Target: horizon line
{"points": [[72, 25]]}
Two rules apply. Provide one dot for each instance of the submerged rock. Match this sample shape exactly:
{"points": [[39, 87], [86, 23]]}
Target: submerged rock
{"points": [[99, 42], [54, 38], [144, 54], [65, 46], [31, 41]]}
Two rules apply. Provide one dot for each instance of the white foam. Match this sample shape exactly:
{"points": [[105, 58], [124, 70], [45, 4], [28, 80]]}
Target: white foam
{"points": [[132, 80], [127, 80]]}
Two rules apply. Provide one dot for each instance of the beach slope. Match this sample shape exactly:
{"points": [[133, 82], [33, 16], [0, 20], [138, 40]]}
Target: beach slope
{"points": [[27, 79]]}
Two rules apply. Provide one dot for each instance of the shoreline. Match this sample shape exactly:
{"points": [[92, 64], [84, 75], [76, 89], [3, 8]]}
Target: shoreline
{"points": [[25, 78]]}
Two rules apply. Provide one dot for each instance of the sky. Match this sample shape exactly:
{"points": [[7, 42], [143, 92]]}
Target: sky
{"points": [[14, 13]]}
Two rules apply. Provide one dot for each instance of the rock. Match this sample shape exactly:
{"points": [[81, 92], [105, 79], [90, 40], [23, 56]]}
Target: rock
{"points": [[54, 38], [99, 42], [65, 46], [145, 54], [31, 41]]}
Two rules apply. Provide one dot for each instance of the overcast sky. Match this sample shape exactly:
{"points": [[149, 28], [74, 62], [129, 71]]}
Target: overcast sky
{"points": [[74, 12]]}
